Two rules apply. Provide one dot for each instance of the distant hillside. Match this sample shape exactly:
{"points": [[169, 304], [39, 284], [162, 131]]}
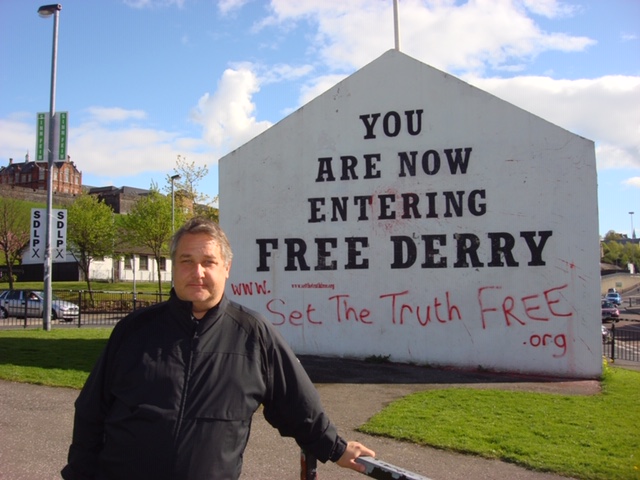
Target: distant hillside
{"points": [[38, 197]]}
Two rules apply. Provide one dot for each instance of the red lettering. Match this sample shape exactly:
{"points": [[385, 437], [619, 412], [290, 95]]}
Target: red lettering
{"points": [[393, 304], [484, 309], [530, 306], [547, 339], [294, 316], [550, 302], [507, 309], [276, 312], [529, 309], [343, 309]]}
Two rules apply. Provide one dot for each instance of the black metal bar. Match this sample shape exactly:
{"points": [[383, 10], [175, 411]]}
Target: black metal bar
{"points": [[613, 342], [385, 471], [79, 308], [308, 466]]}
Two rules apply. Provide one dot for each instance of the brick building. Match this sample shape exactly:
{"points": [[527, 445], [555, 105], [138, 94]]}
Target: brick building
{"points": [[67, 179]]}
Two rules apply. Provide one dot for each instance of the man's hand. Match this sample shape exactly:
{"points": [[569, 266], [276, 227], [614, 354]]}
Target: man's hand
{"points": [[353, 451]]}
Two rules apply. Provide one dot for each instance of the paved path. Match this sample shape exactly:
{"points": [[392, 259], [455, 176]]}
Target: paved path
{"points": [[36, 423]]}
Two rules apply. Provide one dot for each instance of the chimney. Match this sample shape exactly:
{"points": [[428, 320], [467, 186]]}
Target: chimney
{"points": [[11, 161]]}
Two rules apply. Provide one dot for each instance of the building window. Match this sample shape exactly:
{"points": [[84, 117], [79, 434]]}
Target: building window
{"points": [[163, 264], [127, 262], [144, 262], [41, 174]]}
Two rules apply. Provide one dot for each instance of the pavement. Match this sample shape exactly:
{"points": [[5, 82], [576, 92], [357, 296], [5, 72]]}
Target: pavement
{"points": [[36, 423]]}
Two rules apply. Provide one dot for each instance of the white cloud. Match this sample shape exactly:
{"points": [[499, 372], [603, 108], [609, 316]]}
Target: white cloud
{"points": [[451, 37], [104, 150], [550, 8], [226, 6], [605, 110], [283, 72], [633, 182], [18, 136], [227, 116], [114, 114], [153, 3]]}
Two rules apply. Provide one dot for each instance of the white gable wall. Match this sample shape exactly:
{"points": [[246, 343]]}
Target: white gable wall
{"points": [[490, 264]]}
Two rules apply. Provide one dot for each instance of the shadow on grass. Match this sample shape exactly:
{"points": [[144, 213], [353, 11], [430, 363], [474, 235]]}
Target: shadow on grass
{"points": [[64, 353]]}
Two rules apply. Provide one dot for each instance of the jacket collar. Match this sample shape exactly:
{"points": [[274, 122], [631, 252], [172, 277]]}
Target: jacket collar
{"points": [[181, 309]]}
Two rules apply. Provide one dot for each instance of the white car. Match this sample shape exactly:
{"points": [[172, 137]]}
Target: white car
{"points": [[30, 303]]}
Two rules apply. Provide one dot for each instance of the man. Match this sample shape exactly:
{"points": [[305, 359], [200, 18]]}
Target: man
{"points": [[173, 393]]}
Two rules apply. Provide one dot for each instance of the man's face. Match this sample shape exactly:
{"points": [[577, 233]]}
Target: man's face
{"points": [[199, 273]]}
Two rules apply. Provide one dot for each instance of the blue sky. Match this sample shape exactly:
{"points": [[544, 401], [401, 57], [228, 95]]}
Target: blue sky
{"points": [[147, 80]]}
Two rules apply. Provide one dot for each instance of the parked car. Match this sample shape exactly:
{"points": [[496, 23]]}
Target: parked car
{"points": [[18, 303], [614, 297], [609, 311]]}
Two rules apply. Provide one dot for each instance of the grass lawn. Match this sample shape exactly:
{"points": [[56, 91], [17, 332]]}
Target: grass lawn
{"points": [[144, 287], [587, 437], [62, 357]]}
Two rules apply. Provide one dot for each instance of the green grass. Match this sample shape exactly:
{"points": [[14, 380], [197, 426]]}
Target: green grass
{"points": [[144, 287], [587, 437], [59, 358]]}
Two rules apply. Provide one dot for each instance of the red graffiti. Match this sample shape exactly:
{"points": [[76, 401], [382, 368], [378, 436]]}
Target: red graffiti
{"points": [[345, 311], [250, 288], [294, 317], [548, 339], [538, 307], [443, 312]]}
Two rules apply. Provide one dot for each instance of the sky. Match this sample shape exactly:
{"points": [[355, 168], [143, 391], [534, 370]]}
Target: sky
{"points": [[146, 81]]}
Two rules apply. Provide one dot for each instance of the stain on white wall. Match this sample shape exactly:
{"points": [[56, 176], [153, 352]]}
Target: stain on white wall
{"points": [[405, 213]]}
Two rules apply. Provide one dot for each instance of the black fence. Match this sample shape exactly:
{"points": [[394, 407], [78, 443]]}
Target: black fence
{"points": [[95, 308], [623, 343]]}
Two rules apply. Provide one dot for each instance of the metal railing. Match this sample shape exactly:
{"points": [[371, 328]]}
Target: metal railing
{"points": [[96, 308], [374, 468], [623, 343]]}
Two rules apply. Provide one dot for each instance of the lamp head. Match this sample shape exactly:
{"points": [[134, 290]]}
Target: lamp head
{"points": [[175, 177], [48, 10]]}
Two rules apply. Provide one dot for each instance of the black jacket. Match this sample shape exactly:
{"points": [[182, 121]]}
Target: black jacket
{"points": [[172, 398]]}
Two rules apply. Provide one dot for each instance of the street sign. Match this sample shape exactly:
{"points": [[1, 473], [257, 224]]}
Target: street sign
{"points": [[60, 121], [37, 243]]}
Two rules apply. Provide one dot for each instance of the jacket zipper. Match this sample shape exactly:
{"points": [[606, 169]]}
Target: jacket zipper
{"points": [[185, 387]]}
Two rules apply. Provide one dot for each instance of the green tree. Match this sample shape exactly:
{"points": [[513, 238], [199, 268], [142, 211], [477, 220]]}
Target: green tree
{"points": [[190, 176], [90, 232], [612, 236], [187, 195], [14, 232], [631, 254], [148, 225], [612, 253]]}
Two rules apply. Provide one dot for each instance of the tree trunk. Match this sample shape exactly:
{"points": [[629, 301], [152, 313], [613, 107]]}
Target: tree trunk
{"points": [[159, 277]]}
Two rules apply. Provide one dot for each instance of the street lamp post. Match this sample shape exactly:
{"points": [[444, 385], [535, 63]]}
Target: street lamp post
{"points": [[46, 11], [173, 214], [173, 203]]}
